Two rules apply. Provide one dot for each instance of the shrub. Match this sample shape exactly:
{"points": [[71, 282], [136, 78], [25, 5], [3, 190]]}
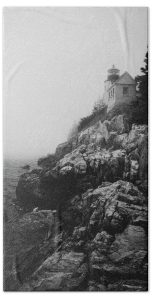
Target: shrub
{"points": [[96, 115], [136, 112]]}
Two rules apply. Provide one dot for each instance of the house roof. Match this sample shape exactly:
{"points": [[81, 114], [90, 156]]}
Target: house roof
{"points": [[125, 78]]}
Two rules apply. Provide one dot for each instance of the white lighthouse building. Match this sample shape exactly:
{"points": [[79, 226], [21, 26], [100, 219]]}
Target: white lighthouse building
{"points": [[118, 89]]}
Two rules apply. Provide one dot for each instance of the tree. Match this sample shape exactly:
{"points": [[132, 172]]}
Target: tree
{"points": [[142, 81]]}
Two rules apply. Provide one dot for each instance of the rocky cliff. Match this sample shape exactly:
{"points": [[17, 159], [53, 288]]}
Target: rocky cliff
{"points": [[97, 184]]}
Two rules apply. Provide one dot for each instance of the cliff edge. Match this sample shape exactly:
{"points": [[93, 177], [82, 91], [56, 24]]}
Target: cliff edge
{"points": [[97, 184]]}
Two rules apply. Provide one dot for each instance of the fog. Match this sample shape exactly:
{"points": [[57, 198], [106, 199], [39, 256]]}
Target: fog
{"points": [[55, 63]]}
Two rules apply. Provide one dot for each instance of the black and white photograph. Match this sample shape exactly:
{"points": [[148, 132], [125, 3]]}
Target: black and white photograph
{"points": [[75, 149]]}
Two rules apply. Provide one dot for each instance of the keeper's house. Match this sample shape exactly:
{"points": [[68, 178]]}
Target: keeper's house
{"points": [[118, 89]]}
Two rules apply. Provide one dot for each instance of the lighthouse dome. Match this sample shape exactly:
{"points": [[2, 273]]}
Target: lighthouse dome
{"points": [[113, 74]]}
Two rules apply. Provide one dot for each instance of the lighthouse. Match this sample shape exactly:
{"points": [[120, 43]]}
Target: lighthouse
{"points": [[113, 75], [118, 89]]}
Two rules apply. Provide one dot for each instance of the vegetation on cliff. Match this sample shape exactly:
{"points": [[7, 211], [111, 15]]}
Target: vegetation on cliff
{"points": [[142, 82], [98, 113]]}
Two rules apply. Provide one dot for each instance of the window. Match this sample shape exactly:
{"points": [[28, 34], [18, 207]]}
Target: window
{"points": [[125, 91], [111, 93]]}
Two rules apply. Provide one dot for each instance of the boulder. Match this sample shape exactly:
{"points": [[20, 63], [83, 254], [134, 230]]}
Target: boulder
{"points": [[120, 124], [103, 129], [65, 170], [110, 208], [37, 189], [135, 137], [28, 190]]}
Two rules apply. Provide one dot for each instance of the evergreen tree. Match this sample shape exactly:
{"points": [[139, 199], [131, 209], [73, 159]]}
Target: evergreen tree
{"points": [[142, 81]]}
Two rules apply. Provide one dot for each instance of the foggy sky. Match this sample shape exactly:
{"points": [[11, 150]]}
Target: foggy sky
{"points": [[55, 62]]}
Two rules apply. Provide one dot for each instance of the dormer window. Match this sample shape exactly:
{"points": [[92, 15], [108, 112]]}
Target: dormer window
{"points": [[125, 91]]}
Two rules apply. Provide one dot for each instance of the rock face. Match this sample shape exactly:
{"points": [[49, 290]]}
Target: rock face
{"points": [[106, 244], [63, 149], [32, 237], [60, 272], [107, 151], [98, 186], [119, 124]]}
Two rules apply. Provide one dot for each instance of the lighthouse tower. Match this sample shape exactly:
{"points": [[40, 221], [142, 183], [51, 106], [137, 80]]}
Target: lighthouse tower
{"points": [[113, 75]]}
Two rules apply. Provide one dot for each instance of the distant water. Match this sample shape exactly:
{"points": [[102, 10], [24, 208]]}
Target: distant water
{"points": [[11, 173]]}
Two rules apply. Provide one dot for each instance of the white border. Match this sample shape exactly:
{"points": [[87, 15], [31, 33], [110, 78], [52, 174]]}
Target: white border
{"points": [[55, 295]]}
